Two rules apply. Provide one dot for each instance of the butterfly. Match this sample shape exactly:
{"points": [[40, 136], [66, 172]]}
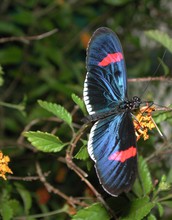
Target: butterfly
{"points": [[112, 140]]}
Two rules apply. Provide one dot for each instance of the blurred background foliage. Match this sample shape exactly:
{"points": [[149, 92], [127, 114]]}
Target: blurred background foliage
{"points": [[54, 67]]}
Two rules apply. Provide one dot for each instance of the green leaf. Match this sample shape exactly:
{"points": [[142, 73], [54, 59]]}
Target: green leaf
{"points": [[79, 102], [26, 197], [162, 116], [15, 206], [138, 209], [93, 212], [161, 38], [82, 153], [164, 66], [144, 176], [6, 211], [58, 110], [163, 184], [137, 188], [160, 209], [151, 217], [44, 141]]}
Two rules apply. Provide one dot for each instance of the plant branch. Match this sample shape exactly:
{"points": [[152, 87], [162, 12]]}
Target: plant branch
{"points": [[145, 79], [27, 39], [70, 200]]}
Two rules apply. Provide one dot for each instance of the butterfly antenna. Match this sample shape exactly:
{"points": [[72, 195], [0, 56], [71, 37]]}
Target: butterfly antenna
{"points": [[155, 72]]}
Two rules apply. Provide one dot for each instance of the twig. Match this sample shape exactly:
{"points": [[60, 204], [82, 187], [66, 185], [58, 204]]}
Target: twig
{"points": [[80, 172], [28, 38], [27, 178], [70, 200], [145, 79]]}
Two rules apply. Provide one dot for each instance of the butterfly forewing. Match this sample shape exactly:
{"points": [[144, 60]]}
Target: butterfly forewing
{"points": [[105, 83], [112, 142]]}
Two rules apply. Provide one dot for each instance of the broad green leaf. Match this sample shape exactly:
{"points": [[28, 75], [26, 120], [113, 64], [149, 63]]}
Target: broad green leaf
{"points": [[44, 141], [93, 212], [161, 38], [138, 209], [82, 153], [25, 195], [58, 110], [144, 176], [6, 211], [80, 103]]}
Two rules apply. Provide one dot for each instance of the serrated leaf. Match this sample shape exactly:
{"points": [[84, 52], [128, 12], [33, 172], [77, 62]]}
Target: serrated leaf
{"points": [[6, 211], [145, 176], [162, 116], [25, 195], [58, 110], [139, 208], [93, 212], [82, 153], [79, 102], [161, 38], [44, 141]]}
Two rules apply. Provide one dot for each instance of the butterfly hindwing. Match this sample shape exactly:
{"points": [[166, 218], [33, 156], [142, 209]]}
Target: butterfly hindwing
{"points": [[105, 83], [112, 145]]}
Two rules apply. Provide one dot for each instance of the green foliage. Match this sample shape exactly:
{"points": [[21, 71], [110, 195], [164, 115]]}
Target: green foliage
{"points": [[139, 208], [161, 38], [35, 66], [26, 197], [82, 154], [44, 141], [79, 102], [57, 110], [93, 212]]}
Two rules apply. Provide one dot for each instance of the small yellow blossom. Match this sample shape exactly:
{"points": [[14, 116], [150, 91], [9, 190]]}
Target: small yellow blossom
{"points": [[143, 122], [4, 160]]}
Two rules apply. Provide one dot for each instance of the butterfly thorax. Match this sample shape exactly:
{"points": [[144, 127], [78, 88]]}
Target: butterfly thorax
{"points": [[127, 105], [131, 105]]}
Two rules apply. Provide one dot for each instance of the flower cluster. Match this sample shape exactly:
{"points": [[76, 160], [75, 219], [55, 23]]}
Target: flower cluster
{"points": [[4, 160], [143, 122]]}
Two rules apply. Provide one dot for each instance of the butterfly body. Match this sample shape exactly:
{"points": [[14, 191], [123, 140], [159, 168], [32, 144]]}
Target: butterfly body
{"points": [[112, 141]]}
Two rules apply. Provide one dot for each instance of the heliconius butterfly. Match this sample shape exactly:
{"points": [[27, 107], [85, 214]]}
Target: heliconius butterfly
{"points": [[112, 139]]}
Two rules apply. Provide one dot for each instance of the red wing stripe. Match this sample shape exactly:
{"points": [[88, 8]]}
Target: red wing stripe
{"points": [[123, 155], [111, 58]]}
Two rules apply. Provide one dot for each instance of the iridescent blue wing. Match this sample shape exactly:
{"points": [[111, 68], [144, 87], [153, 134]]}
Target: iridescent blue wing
{"points": [[105, 84], [112, 146]]}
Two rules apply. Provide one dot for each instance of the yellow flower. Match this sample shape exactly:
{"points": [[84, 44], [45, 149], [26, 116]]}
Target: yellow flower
{"points": [[143, 122], [4, 160]]}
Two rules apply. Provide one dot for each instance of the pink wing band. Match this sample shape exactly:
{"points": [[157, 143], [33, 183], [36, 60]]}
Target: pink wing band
{"points": [[123, 155]]}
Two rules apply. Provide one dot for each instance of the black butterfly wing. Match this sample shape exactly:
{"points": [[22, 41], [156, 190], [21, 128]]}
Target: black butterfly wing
{"points": [[106, 83], [112, 146]]}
